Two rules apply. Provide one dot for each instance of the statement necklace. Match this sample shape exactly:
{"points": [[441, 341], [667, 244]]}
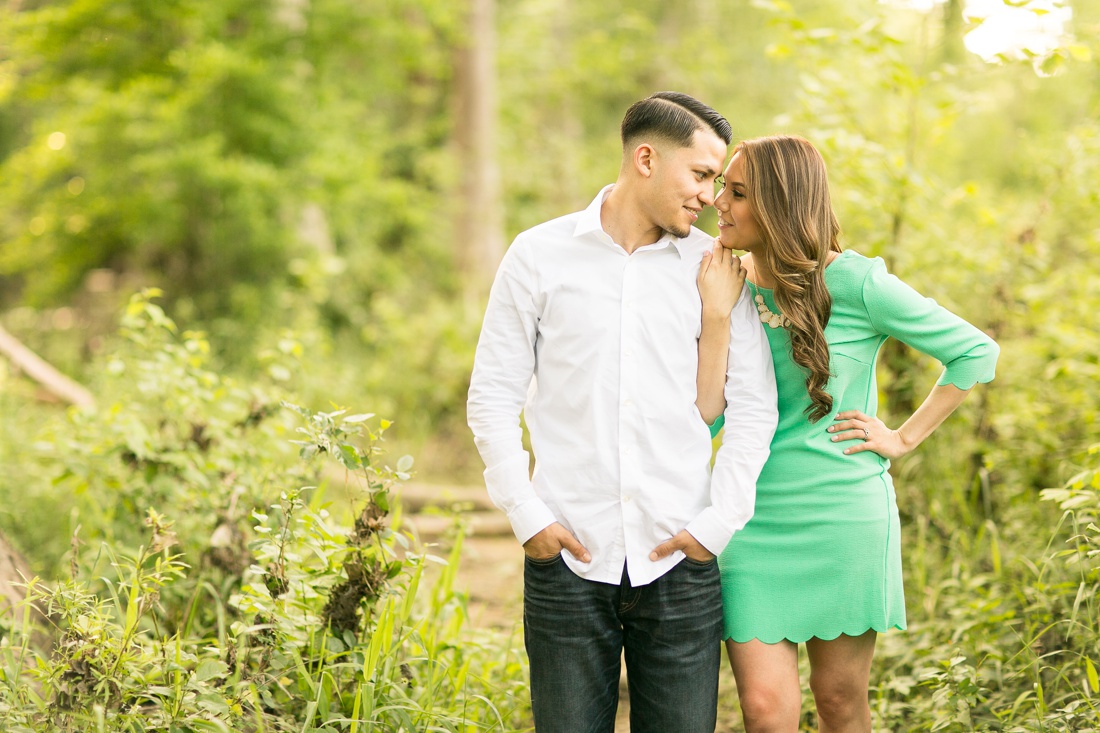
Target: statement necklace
{"points": [[775, 320]]}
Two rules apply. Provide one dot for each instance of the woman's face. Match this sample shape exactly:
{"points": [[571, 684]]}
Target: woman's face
{"points": [[737, 227]]}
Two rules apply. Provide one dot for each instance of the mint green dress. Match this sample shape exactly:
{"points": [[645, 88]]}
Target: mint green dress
{"points": [[821, 555]]}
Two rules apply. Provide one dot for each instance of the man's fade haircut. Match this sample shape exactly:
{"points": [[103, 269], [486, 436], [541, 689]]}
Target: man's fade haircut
{"points": [[672, 117]]}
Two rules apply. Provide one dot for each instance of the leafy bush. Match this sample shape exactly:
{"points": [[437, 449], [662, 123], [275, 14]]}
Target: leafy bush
{"points": [[245, 614]]}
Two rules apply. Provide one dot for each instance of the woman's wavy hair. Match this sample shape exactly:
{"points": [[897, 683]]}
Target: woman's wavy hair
{"points": [[788, 190]]}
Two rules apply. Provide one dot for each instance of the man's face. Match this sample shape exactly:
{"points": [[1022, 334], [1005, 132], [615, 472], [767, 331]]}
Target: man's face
{"points": [[682, 182]]}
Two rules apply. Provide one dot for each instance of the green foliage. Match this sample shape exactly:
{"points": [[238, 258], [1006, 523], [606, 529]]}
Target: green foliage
{"points": [[255, 610], [155, 143], [170, 432], [1009, 634]]}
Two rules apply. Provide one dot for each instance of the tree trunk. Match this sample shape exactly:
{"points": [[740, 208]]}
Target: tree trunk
{"points": [[479, 234], [953, 48]]}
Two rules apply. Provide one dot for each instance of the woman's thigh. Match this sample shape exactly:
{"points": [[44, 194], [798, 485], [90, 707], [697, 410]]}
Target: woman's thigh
{"points": [[767, 684]]}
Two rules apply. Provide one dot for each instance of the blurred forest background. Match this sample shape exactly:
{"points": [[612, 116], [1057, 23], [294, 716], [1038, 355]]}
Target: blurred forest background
{"points": [[318, 193]]}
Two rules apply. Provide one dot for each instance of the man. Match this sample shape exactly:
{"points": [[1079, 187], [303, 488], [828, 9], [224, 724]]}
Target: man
{"points": [[622, 518]]}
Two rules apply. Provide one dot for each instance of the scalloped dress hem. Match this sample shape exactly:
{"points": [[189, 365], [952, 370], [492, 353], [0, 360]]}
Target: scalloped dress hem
{"points": [[801, 639]]}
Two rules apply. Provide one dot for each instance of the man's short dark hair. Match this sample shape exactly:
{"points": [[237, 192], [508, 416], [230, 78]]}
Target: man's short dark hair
{"points": [[673, 117]]}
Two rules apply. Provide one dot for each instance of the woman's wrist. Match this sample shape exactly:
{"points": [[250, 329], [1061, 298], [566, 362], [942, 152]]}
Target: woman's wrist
{"points": [[716, 316], [908, 442]]}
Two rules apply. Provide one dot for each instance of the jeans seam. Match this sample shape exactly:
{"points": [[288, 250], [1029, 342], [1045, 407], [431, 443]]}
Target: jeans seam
{"points": [[630, 606]]}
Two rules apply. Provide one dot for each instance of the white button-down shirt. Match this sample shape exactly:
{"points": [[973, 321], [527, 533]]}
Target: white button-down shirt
{"points": [[622, 455]]}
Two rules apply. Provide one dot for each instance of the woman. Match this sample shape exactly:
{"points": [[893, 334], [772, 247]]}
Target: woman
{"points": [[820, 561]]}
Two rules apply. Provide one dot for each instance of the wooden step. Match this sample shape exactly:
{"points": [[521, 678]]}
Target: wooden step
{"points": [[479, 524], [416, 496]]}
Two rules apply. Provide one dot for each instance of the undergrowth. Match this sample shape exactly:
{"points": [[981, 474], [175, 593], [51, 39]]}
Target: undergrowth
{"points": [[209, 588]]}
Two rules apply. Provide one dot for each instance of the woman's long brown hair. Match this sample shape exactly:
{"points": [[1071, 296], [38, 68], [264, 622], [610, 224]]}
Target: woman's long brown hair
{"points": [[788, 190]]}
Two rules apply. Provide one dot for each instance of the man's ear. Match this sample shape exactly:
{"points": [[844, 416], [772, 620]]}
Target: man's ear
{"points": [[644, 157]]}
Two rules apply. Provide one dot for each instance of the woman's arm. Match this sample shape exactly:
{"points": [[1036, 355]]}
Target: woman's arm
{"points": [[968, 355], [721, 280]]}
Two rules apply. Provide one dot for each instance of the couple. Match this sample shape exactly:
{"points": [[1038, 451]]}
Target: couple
{"points": [[622, 333]]}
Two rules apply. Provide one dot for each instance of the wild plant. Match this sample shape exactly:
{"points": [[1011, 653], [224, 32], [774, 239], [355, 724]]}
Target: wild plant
{"points": [[258, 609]]}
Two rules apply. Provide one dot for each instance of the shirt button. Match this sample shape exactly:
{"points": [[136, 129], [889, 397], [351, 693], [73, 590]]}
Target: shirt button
{"points": [[628, 403], [626, 499]]}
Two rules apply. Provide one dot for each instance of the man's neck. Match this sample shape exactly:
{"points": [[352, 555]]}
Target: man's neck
{"points": [[625, 222]]}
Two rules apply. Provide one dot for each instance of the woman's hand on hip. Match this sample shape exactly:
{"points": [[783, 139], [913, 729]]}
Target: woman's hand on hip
{"points": [[869, 433]]}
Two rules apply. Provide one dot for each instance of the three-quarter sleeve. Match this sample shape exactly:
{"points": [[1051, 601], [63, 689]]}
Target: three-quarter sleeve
{"points": [[968, 355]]}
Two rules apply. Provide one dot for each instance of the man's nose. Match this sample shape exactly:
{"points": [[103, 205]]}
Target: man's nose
{"points": [[707, 196]]}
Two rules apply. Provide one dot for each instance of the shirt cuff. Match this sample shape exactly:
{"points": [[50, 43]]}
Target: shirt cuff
{"points": [[710, 531], [509, 486], [530, 518]]}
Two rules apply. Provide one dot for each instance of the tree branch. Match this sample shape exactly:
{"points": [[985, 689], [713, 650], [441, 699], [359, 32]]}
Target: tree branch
{"points": [[40, 371]]}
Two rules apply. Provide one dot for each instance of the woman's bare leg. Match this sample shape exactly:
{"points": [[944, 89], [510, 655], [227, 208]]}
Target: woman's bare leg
{"points": [[767, 685], [840, 674]]}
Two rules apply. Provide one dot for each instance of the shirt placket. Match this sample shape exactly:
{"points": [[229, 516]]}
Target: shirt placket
{"points": [[630, 420]]}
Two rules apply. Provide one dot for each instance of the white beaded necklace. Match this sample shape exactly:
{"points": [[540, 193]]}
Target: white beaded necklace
{"points": [[775, 320]]}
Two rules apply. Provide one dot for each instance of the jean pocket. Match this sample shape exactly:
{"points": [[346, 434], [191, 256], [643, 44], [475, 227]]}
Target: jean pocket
{"points": [[700, 563], [542, 561]]}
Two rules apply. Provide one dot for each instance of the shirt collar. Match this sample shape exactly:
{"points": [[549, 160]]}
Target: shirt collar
{"points": [[589, 223]]}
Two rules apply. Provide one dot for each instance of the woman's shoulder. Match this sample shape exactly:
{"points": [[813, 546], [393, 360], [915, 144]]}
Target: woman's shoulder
{"points": [[848, 271], [850, 260]]}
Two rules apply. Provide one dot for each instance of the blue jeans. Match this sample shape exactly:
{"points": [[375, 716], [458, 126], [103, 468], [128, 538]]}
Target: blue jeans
{"points": [[577, 630]]}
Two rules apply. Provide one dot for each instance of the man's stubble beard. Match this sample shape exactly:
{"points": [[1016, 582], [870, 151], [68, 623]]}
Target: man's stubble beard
{"points": [[679, 234]]}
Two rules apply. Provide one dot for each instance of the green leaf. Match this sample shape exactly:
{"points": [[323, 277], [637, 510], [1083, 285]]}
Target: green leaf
{"points": [[349, 456], [209, 669]]}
